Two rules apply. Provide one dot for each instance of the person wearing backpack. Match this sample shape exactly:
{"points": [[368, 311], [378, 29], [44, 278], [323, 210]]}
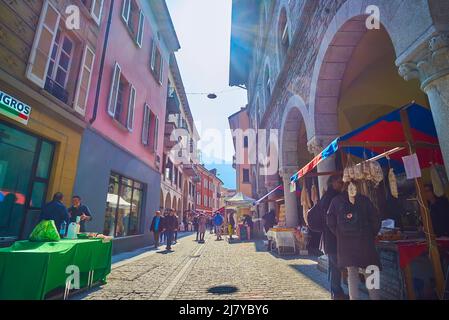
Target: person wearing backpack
{"points": [[218, 222], [354, 221], [316, 221]]}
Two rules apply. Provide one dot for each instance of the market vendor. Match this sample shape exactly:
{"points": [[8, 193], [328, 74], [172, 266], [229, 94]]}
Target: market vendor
{"points": [[79, 210], [439, 211], [55, 210]]}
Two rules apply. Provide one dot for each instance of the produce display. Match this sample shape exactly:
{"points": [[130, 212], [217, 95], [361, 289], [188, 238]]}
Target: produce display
{"points": [[390, 235], [45, 231], [393, 184], [93, 235]]}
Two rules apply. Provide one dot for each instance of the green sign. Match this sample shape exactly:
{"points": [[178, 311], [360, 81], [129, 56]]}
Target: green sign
{"points": [[14, 109]]}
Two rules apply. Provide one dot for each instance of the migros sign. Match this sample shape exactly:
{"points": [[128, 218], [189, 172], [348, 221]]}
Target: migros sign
{"points": [[14, 109]]}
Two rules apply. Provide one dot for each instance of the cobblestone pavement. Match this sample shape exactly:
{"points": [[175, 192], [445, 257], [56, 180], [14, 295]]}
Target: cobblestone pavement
{"points": [[203, 271]]}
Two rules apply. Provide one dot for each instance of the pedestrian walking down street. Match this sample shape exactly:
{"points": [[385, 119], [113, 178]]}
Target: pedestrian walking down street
{"points": [[231, 225], [328, 243], [218, 223], [354, 221], [175, 237], [248, 221], [157, 225], [170, 226], [185, 221], [202, 227], [195, 223], [163, 234]]}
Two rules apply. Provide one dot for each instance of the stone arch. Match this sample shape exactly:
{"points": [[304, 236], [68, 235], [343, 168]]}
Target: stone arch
{"points": [[168, 202], [294, 119], [175, 204], [161, 200], [179, 207], [341, 38]]}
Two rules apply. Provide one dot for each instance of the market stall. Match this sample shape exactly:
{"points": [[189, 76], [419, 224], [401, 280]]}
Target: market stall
{"points": [[242, 205], [389, 158], [35, 270]]}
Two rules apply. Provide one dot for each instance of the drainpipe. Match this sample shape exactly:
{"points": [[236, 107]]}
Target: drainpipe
{"points": [[103, 58]]}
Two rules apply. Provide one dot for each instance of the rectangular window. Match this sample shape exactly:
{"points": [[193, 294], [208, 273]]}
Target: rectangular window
{"points": [[146, 125], [141, 27], [198, 198], [113, 94], [131, 108], [126, 10], [157, 63], [154, 130], [59, 67], [43, 44], [97, 10], [245, 141], [245, 176], [82, 91], [123, 207]]}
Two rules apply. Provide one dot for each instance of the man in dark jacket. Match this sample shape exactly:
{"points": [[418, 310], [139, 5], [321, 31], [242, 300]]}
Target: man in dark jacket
{"points": [[269, 220], [157, 225], [170, 226], [328, 240], [55, 210], [79, 210]]}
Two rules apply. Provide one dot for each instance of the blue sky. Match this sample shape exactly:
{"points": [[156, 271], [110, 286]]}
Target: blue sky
{"points": [[204, 28]]}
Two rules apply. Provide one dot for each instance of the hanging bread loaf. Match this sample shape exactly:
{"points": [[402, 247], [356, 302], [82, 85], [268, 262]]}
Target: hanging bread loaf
{"points": [[314, 192], [393, 184]]}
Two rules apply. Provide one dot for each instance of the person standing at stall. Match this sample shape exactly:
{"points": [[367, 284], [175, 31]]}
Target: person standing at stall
{"points": [[354, 221], [79, 210], [55, 210], [439, 211], [269, 220]]}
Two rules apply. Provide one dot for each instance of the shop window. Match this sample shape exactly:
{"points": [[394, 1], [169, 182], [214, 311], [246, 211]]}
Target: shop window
{"points": [[122, 100], [25, 169], [134, 20], [123, 206], [157, 63]]}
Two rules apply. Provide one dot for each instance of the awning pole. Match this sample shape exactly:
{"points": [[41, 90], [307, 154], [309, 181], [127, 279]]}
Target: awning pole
{"points": [[425, 213]]}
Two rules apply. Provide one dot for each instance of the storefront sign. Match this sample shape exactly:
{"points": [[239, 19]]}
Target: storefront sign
{"points": [[14, 109]]}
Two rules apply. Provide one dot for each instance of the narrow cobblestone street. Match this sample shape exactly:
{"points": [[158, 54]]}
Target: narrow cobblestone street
{"points": [[204, 271]]}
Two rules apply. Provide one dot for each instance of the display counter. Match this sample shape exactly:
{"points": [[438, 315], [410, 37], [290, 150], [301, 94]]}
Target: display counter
{"points": [[32, 270]]}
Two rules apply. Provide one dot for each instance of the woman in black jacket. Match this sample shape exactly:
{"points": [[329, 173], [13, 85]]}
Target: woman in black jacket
{"points": [[354, 221]]}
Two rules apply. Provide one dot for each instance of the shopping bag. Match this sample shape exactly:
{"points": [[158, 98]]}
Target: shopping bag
{"points": [[45, 231]]}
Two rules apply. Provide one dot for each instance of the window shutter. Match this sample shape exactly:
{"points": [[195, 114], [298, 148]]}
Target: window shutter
{"points": [[125, 10], [131, 108], [97, 10], [161, 71], [43, 43], [82, 91], [146, 124], [155, 135], [141, 28], [153, 55], [114, 90]]}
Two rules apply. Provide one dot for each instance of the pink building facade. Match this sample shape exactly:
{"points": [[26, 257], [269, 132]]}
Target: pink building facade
{"points": [[125, 113]]}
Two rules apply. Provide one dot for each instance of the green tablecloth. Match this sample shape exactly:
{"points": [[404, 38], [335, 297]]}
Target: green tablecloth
{"points": [[30, 270]]}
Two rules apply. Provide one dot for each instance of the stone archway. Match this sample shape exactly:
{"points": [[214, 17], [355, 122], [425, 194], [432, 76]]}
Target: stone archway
{"points": [[175, 204], [168, 202], [419, 49], [293, 152]]}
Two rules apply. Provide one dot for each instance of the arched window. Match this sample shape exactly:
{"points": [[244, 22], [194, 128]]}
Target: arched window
{"points": [[283, 36], [267, 85]]}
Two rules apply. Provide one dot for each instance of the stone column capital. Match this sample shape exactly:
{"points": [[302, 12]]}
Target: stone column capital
{"points": [[430, 64], [318, 143], [287, 171]]}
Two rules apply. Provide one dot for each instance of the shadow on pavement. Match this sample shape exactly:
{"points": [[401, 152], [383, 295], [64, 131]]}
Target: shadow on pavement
{"points": [[311, 271]]}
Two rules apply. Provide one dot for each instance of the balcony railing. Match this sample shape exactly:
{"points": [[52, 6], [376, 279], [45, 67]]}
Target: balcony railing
{"points": [[56, 90], [173, 104]]}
